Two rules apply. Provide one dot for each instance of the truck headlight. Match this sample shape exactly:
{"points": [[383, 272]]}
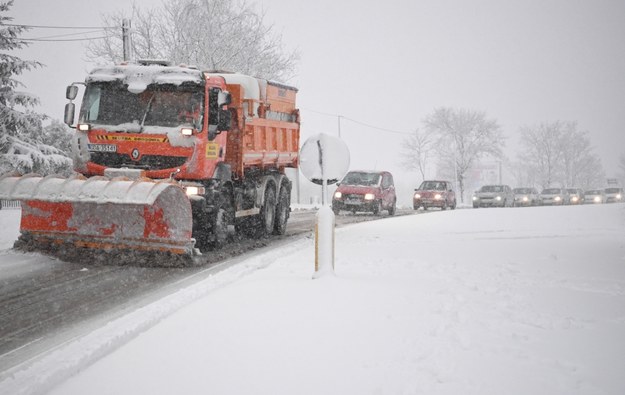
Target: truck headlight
{"points": [[192, 190], [369, 196]]}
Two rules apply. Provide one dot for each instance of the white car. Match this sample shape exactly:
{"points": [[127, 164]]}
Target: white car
{"points": [[554, 197], [614, 195], [594, 196]]}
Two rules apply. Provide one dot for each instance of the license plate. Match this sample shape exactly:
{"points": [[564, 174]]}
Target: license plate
{"points": [[102, 147], [352, 201]]}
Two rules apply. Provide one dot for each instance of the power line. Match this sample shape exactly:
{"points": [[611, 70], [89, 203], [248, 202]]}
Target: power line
{"points": [[66, 35], [55, 27], [358, 122], [62, 40]]}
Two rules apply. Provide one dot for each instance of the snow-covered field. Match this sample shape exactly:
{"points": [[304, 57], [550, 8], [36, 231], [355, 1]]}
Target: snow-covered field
{"points": [[489, 301]]}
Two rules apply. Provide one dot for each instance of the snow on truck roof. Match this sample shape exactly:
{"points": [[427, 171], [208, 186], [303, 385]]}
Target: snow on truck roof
{"points": [[139, 76]]}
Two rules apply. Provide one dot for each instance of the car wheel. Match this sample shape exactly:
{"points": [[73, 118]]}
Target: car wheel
{"points": [[377, 208], [393, 208], [336, 210], [453, 206], [444, 205]]}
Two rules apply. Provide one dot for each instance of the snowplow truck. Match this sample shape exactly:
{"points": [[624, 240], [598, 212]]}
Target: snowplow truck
{"points": [[170, 161]]}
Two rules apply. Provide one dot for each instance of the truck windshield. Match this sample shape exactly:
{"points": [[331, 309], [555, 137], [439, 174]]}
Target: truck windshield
{"points": [[110, 103]]}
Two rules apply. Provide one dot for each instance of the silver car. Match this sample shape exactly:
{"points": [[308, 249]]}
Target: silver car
{"points": [[525, 197], [554, 197], [594, 196], [493, 196], [614, 195], [576, 195]]}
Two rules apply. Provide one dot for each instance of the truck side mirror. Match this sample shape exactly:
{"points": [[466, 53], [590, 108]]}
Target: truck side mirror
{"points": [[71, 92], [224, 98], [70, 109]]}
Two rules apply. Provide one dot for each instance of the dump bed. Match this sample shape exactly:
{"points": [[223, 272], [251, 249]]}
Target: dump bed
{"points": [[265, 133]]}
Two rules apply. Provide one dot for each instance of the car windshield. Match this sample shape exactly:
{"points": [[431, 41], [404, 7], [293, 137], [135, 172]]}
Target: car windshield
{"points": [[522, 190], [574, 191], [432, 186], [612, 190], [361, 178], [593, 192], [491, 188], [552, 191]]}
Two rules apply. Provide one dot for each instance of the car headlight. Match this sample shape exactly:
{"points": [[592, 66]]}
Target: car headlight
{"points": [[597, 199], [417, 196], [369, 196], [574, 199], [475, 198], [557, 198], [498, 198], [618, 196], [437, 196], [525, 199], [338, 195]]}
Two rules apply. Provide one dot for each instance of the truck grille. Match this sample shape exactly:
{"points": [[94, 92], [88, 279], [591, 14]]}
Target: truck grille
{"points": [[147, 162]]}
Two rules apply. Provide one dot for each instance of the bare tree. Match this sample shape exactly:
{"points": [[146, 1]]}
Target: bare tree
{"points": [[464, 136], [558, 153], [417, 151], [214, 34]]}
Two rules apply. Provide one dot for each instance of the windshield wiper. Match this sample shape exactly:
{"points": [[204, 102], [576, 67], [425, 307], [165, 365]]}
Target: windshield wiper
{"points": [[147, 110]]}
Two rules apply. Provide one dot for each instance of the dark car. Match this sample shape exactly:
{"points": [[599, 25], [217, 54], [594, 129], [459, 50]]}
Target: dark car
{"points": [[371, 191], [493, 196], [434, 193], [554, 197], [576, 195], [613, 195], [525, 197]]}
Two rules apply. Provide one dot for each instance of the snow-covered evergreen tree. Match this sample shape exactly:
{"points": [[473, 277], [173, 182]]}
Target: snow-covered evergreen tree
{"points": [[22, 147]]}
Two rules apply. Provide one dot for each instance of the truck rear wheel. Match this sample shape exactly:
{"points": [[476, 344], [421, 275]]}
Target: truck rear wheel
{"points": [[282, 212], [262, 224]]}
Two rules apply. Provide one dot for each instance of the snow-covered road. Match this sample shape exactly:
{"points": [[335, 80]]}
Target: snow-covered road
{"points": [[488, 301]]}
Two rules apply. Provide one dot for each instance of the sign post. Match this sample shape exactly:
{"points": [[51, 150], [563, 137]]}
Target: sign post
{"points": [[324, 160]]}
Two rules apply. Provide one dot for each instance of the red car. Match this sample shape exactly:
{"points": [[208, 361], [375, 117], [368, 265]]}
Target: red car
{"points": [[371, 191], [434, 193]]}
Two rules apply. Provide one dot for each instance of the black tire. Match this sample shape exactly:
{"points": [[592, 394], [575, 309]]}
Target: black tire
{"points": [[201, 230], [283, 210], [444, 206], [219, 229], [393, 208], [265, 220], [336, 210], [453, 206], [377, 208]]}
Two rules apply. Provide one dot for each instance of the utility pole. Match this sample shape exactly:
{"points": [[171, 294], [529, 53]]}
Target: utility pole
{"points": [[126, 39]]}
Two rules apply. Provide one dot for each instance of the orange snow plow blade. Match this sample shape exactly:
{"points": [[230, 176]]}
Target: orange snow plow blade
{"points": [[129, 219]]}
